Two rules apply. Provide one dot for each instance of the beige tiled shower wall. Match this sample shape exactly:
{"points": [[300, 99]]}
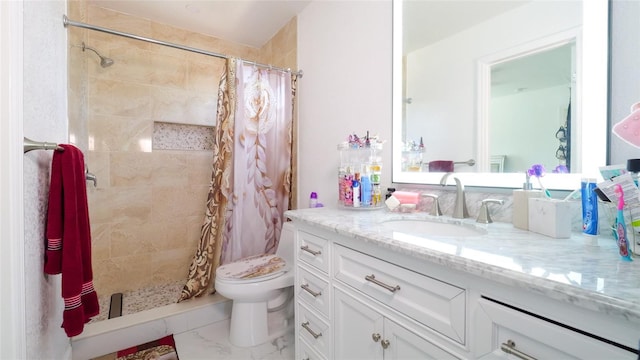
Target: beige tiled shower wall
{"points": [[77, 77], [148, 206]]}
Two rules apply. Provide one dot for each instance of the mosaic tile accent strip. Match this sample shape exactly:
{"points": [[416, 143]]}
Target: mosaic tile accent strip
{"points": [[169, 136]]}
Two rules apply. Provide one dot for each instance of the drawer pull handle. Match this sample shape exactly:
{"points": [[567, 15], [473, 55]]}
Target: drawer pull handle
{"points": [[306, 287], [375, 337], [510, 348], [313, 333], [385, 343], [372, 278], [312, 252]]}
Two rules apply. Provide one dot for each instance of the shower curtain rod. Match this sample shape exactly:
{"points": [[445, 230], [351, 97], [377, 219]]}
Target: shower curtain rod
{"points": [[66, 21]]}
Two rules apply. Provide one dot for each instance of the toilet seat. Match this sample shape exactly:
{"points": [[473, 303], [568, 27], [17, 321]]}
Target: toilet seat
{"points": [[253, 269]]}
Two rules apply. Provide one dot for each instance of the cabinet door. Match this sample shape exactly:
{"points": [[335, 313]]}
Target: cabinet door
{"points": [[363, 333], [358, 329], [436, 304], [404, 344], [498, 326]]}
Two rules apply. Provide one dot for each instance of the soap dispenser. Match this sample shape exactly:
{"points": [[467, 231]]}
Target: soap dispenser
{"points": [[520, 216]]}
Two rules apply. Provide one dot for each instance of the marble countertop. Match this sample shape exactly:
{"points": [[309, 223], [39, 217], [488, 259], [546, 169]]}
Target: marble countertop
{"points": [[584, 271]]}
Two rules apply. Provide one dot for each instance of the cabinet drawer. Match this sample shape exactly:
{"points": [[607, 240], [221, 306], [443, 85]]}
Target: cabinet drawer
{"points": [[498, 326], [313, 291], [314, 331], [438, 305], [313, 250], [305, 352]]}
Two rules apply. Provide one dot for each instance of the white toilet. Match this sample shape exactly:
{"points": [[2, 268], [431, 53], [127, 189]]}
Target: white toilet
{"points": [[259, 286]]}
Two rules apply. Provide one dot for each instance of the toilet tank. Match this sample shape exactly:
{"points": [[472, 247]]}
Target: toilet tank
{"points": [[287, 242]]}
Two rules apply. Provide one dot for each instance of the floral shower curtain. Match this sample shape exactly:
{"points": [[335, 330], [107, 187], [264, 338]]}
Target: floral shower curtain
{"points": [[262, 163], [252, 171]]}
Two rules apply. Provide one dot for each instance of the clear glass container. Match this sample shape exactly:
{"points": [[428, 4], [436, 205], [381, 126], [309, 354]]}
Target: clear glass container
{"points": [[359, 174]]}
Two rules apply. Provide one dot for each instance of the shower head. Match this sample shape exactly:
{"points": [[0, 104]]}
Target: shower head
{"points": [[104, 61]]}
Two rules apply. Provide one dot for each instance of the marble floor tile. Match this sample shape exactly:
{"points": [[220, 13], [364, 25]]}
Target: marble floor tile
{"points": [[212, 342]]}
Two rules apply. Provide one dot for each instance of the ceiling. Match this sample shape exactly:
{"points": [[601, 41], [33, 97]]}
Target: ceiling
{"points": [[248, 22], [553, 67], [427, 21], [254, 22]]}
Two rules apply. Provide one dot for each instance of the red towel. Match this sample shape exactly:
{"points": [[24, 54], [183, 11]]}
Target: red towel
{"points": [[69, 239], [441, 166]]}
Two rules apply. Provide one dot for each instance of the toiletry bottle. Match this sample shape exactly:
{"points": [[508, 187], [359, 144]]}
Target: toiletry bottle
{"points": [[356, 193], [520, 214], [376, 198], [633, 166], [589, 206], [365, 191], [313, 200]]}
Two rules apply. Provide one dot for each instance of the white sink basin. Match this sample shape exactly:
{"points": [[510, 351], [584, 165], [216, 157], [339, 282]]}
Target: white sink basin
{"points": [[433, 228]]}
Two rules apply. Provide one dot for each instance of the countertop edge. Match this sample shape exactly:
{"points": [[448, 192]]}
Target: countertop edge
{"points": [[566, 293]]}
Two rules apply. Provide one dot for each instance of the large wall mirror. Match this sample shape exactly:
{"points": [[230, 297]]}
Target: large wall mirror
{"points": [[489, 88]]}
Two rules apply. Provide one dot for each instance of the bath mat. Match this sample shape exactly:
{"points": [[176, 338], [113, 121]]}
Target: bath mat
{"points": [[161, 349]]}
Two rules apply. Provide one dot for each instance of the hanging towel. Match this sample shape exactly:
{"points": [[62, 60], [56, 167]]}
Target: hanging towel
{"points": [[441, 166], [68, 250]]}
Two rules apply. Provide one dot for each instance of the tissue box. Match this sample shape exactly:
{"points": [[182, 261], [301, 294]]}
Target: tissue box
{"points": [[551, 217]]}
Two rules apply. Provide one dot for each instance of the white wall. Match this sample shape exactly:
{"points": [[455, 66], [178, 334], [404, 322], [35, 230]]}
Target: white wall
{"points": [[45, 119], [443, 77], [344, 49], [12, 307], [528, 121]]}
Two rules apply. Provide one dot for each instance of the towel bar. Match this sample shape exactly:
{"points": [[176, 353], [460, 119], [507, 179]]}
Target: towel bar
{"points": [[43, 145], [40, 145], [469, 162], [90, 176]]}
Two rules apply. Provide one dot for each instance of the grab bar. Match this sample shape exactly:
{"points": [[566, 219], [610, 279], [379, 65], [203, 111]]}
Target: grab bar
{"points": [[40, 145]]}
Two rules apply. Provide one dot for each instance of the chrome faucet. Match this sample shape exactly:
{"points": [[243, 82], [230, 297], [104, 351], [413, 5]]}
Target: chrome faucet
{"points": [[484, 216], [460, 208]]}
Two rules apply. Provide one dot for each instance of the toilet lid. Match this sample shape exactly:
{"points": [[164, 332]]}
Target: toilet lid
{"points": [[253, 268]]}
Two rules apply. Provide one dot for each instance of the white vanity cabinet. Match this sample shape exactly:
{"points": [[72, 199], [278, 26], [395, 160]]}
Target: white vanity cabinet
{"points": [[350, 305], [362, 331], [357, 298], [313, 311], [438, 305], [502, 330]]}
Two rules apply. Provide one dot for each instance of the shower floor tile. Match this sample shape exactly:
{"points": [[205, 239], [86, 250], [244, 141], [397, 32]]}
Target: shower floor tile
{"points": [[142, 299], [212, 342]]}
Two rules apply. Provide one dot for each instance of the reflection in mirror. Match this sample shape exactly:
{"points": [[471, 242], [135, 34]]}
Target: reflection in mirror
{"points": [[454, 96], [530, 119]]}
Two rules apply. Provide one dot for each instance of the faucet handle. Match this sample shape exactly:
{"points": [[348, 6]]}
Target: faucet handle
{"points": [[435, 207], [484, 216]]}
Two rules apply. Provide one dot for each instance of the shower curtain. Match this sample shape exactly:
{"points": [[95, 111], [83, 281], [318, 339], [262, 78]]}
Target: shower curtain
{"points": [[252, 171]]}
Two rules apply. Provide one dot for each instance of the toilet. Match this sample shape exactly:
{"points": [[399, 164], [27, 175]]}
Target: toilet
{"points": [[261, 288]]}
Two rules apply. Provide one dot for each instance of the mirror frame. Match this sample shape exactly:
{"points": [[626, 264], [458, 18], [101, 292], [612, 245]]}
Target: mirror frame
{"points": [[591, 94]]}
